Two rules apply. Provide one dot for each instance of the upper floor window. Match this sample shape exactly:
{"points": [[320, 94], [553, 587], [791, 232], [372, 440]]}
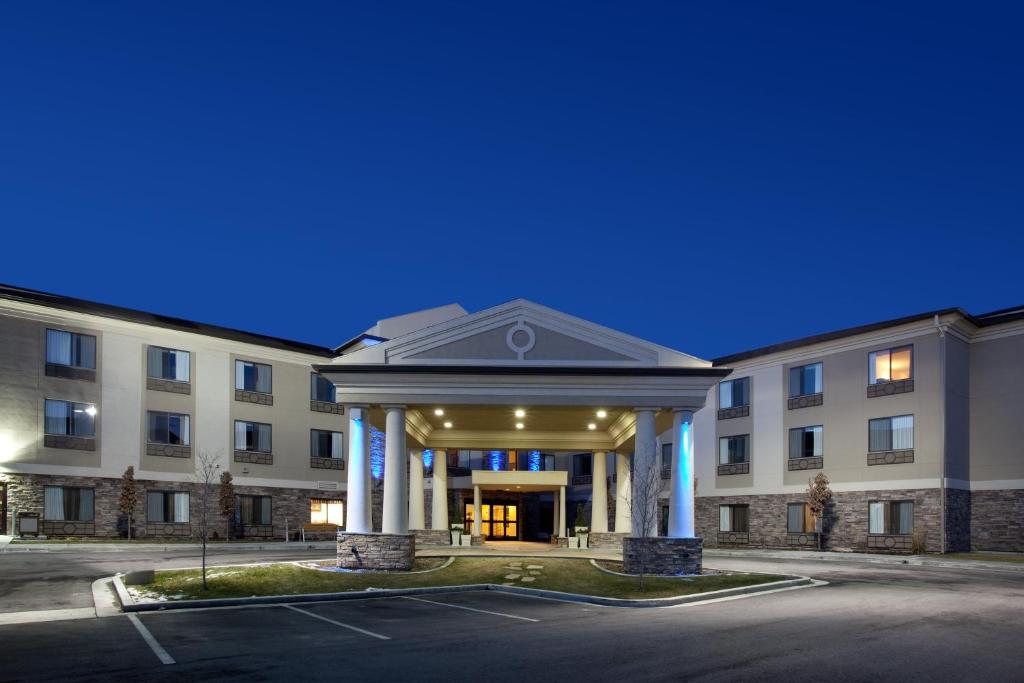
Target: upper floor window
{"points": [[167, 507], [891, 433], [891, 365], [666, 456], [169, 428], [321, 389], [805, 442], [734, 393], [253, 377], [169, 364], [734, 518], [252, 436], [71, 348], [891, 517], [583, 463], [67, 418], [732, 450], [68, 504], [325, 444], [805, 380]]}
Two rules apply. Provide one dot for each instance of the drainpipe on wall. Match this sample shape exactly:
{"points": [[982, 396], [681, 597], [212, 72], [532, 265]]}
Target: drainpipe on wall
{"points": [[942, 399]]}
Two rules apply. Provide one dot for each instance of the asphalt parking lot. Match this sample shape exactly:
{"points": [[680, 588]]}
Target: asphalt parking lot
{"points": [[868, 623]]}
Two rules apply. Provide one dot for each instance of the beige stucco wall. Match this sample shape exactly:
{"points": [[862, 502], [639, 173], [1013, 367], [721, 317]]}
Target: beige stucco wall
{"points": [[997, 410]]}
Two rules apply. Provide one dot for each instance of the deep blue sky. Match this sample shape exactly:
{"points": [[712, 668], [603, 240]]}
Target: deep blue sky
{"points": [[710, 176]]}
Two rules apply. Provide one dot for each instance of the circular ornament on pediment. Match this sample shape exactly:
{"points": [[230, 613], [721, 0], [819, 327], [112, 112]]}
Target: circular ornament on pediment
{"points": [[520, 338]]}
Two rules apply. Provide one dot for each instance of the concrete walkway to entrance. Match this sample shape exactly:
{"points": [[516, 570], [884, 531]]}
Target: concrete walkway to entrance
{"points": [[517, 549]]}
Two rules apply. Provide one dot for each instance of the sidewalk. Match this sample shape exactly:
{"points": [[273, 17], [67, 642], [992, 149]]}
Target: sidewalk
{"points": [[870, 558]]}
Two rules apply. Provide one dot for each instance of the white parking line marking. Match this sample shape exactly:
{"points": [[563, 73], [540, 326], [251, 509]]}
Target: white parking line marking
{"points": [[470, 609], [813, 584], [158, 649], [338, 623]]}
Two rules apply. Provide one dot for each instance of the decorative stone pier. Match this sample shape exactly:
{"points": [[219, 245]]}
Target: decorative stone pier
{"points": [[394, 552], [660, 555]]}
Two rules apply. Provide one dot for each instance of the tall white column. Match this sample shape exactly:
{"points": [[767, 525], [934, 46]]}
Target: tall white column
{"points": [[416, 510], [439, 491], [396, 504], [623, 494], [561, 512], [680, 509], [646, 475], [599, 495], [358, 494], [476, 512]]}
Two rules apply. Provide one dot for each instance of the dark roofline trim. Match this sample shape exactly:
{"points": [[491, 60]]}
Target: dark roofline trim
{"points": [[984, 320], [574, 370], [66, 303]]}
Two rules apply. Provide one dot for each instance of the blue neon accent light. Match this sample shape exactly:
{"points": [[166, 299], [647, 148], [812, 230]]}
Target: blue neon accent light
{"points": [[376, 452], [494, 460], [428, 458], [533, 461]]}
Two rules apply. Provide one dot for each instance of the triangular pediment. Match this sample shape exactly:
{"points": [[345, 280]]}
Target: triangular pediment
{"points": [[521, 333]]}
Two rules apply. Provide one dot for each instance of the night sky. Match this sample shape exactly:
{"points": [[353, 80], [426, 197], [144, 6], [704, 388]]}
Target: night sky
{"points": [[709, 176]]}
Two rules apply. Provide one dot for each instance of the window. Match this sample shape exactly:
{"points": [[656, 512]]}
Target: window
{"points": [[805, 442], [583, 464], [66, 418], [167, 507], [325, 444], [169, 364], [734, 393], [67, 503], [733, 518], [732, 450], [891, 433], [326, 512], [890, 365], [666, 456], [71, 348], [254, 510], [891, 517], [799, 519], [253, 377], [805, 380], [321, 389], [168, 428], [252, 436]]}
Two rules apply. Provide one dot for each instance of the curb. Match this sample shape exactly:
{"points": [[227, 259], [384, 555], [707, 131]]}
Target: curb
{"points": [[129, 605], [895, 560]]}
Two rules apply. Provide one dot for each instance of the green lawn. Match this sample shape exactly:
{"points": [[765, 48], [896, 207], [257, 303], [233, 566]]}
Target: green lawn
{"points": [[569, 575], [987, 557]]}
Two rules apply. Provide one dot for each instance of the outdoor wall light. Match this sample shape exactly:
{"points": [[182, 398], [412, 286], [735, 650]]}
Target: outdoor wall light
{"points": [[519, 425], [602, 414], [520, 412], [91, 411], [591, 426], [447, 425], [439, 411]]}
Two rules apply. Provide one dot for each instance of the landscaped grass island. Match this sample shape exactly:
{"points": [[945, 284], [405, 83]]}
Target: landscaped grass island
{"points": [[565, 575]]}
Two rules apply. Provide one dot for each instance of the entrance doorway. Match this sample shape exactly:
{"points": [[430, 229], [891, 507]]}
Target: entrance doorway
{"points": [[498, 521]]}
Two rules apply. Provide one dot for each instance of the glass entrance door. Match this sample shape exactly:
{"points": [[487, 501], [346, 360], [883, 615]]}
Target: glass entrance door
{"points": [[498, 521]]}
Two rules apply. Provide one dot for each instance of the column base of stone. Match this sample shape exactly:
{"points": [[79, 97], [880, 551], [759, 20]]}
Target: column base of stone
{"points": [[662, 556], [432, 536], [606, 540], [394, 552]]}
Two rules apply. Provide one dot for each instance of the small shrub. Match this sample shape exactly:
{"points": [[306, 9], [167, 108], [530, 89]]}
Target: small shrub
{"points": [[917, 542]]}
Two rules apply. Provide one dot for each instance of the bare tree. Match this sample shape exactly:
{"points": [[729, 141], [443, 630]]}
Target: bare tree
{"points": [[204, 485], [227, 498], [129, 498], [818, 496], [643, 508]]}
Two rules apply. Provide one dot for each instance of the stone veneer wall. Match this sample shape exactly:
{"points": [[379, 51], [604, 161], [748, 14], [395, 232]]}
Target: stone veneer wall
{"points": [[432, 536], [394, 552], [606, 541], [845, 524], [997, 520], [659, 555]]}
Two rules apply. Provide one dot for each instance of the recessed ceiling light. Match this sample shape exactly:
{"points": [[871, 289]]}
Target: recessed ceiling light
{"points": [[602, 414], [439, 411], [520, 413], [447, 425], [519, 425], [591, 426]]}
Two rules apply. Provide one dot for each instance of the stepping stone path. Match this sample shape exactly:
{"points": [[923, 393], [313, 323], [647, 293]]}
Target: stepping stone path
{"points": [[512, 576], [527, 579], [535, 566]]}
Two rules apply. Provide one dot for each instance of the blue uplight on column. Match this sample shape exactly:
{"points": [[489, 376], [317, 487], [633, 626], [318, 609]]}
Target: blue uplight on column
{"points": [[533, 461], [428, 458], [376, 452], [494, 460]]}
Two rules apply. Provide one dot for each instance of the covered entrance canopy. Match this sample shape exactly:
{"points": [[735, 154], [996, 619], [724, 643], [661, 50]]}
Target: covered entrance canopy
{"points": [[517, 376]]}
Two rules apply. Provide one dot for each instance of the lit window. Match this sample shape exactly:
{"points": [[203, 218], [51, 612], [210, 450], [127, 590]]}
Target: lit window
{"points": [[326, 512], [891, 365]]}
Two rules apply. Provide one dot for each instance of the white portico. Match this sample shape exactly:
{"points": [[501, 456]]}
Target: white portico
{"points": [[525, 379]]}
